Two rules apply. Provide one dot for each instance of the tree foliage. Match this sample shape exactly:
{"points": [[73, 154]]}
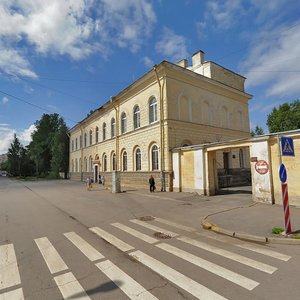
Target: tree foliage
{"points": [[286, 117], [18, 163], [49, 148], [258, 130]]}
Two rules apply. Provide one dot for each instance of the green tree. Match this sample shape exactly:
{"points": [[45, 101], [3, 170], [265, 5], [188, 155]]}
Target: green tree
{"points": [[60, 150], [48, 146], [286, 117], [15, 155], [258, 130]]}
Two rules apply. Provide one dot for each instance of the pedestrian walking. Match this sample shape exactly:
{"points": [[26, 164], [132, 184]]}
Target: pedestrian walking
{"points": [[88, 183], [103, 180], [152, 184]]}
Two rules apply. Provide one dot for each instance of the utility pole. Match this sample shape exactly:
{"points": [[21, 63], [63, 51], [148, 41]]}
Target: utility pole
{"points": [[116, 178], [162, 133]]}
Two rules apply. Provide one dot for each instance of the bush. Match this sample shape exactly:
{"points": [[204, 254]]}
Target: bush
{"points": [[277, 230]]}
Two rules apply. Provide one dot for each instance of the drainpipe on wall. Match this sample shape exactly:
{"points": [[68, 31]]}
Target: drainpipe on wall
{"points": [[162, 134]]}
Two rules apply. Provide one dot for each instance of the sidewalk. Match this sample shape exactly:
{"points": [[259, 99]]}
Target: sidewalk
{"points": [[254, 222], [238, 216]]}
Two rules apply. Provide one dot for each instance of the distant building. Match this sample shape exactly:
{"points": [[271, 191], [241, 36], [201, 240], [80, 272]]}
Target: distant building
{"points": [[172, 105]]}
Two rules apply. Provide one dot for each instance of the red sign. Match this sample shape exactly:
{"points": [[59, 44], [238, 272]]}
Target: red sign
{"points": [[262, 167]]}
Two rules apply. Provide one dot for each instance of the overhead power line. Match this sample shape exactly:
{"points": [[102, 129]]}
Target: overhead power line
{"points": [[33, 105]]}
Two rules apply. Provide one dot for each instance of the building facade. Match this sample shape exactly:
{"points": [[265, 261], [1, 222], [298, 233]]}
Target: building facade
{"points": [[172, 105]]}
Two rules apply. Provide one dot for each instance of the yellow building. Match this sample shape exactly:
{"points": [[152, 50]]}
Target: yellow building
{"points": [[172, 105]]}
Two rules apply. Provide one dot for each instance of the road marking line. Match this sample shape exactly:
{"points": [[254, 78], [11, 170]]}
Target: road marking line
{"points": [[238, 279], [266, 252], [13, 295], [9, 272], [194, 288], [176, 225], [154, 228], [70, 288], [53, 260], [90, 252], [136, 233], [230, 255], [112, 239], [128, 285]]}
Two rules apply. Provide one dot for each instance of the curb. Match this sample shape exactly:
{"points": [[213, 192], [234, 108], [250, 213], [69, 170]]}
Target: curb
{"points": [[248, 237]]}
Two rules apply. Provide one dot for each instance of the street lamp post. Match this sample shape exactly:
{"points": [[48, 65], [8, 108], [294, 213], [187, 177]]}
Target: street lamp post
{"points": [[116, 178], [162, 133]]}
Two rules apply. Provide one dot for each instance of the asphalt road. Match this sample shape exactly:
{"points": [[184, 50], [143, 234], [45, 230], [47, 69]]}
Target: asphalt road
{"points": [[59, 241]]}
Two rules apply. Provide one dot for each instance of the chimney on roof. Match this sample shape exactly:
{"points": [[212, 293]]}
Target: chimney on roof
{"points": [[183, 63], [198, 58]]}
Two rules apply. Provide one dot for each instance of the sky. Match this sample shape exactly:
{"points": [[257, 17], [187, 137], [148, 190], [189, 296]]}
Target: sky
{"points": [[70, 56]]}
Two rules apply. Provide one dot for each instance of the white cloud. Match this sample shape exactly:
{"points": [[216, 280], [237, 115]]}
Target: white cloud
{"points": [[4, 100], [7, 136], [76, 28], [148, 62], [201, 29], [25, 135], [275, 62], [172, 45], [224, 13]]}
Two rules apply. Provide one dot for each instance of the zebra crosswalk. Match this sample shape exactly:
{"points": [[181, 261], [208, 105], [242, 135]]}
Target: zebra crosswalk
{"points": [[127, 238]]}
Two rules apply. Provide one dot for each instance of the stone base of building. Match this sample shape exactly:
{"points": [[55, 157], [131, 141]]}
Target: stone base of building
{"points": [[137, 180]]}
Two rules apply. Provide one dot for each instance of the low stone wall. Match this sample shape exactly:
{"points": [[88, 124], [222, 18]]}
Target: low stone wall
{"points": [[138, 180]]}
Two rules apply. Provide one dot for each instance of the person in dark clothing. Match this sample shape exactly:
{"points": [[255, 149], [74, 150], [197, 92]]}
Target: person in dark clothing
{"points": [[152, 184]]}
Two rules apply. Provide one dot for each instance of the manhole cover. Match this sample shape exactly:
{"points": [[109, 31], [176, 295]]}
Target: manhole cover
{"points": [[162, 235], [146, 218]]}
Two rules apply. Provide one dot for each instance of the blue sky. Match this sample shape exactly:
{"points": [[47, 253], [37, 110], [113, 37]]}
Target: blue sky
{"points": [[70, 56]]}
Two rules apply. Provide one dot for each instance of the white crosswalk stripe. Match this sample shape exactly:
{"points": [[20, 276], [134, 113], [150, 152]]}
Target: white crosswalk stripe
{"points": [[111, 239], [12, 295], [176, 225], [129, 286], [240, 280], [265, 251], [230, 255], [194, 288], [9, 272], [53, 260], [137, 234], [90, 252], [70, 288], [154, 228]]}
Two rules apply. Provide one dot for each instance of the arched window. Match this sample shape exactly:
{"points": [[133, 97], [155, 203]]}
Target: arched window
{"points": [[136, 117], [224, 117], [76, 144], [104, 163], [85, 138], [72, 145], [123, 123], [72, 166], [104, 131], [80, 142], [113, 127], [90, 164], [76, 165], [97, 135], [138, 160], [154, 158], [80, 165], [152, 110], [124, 161], [91, 137], [113, 162], [85, 164], [241, 157]]}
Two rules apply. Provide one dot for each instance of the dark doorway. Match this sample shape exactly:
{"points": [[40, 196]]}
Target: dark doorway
{"points": [[226, 160], [96, 173]]}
